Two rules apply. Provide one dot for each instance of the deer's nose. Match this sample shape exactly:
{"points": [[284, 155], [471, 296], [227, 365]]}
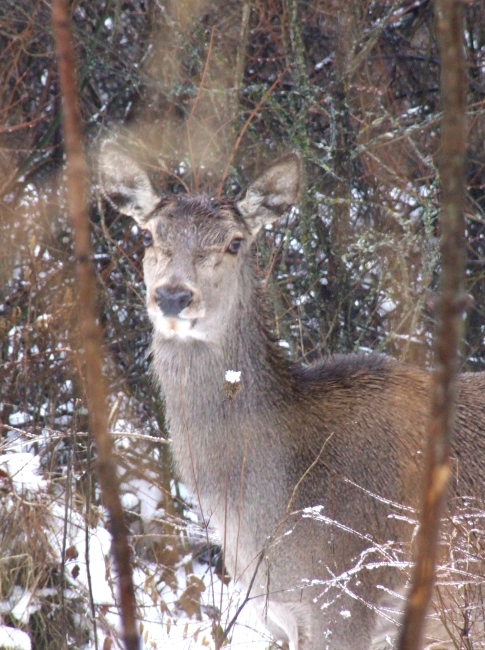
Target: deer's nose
{"points": [[172, 300]]}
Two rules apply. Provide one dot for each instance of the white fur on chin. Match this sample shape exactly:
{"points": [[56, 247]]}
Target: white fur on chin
{"points": [[171, 327]]}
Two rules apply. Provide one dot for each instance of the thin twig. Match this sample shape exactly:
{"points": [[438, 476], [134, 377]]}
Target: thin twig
{"points": [[87, 544], [194, 106], [67, 506], [240, 57], [246, 126]]}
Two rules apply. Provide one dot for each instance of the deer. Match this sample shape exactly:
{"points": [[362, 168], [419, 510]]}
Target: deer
{"points": [[307, 473]]}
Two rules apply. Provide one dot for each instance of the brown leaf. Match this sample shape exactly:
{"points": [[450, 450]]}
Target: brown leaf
{"points": [[189, 601], [72, 553]]}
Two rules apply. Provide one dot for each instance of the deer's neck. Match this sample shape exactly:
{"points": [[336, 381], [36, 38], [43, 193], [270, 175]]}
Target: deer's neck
{"points": [[213, 432], [192, 373]]}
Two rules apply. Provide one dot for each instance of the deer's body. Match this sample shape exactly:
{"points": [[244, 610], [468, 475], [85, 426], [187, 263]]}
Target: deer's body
{"points": [[301, 470]]}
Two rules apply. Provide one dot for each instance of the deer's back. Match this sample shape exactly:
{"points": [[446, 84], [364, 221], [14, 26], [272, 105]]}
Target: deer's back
{"points": [[365, 419]]}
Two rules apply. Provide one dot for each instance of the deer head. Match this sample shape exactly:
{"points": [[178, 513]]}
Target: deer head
{"points": [[196, 246]]}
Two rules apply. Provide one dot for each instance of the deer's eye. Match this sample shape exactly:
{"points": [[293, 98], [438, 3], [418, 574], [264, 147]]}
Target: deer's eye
{"points": [[235, 245], [146, 238]]}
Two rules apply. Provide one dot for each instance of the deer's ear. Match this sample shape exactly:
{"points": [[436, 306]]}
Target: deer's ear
{"points": [[125, 183], [273, 193]]}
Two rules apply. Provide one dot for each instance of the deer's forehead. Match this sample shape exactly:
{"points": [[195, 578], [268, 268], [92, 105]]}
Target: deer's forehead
{"points": [[197, 221]]}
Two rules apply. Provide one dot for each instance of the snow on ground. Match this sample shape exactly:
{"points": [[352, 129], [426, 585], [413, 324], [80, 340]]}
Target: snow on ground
{"points": [[176, 631], [23, 470], [14, 639], [163, 622]]}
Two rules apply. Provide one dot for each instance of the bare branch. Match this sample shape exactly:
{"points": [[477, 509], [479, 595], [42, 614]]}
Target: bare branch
{"points": [[449, 30], [90, 333]]}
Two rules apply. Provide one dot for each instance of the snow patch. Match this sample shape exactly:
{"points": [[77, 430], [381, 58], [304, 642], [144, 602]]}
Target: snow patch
{"points": [[233, 376], [13, 639], [22, 605], [23, 470]]}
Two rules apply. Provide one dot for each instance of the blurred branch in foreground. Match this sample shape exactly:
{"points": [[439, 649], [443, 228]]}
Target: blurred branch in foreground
{"points": [[90, 333], [449, 29]]}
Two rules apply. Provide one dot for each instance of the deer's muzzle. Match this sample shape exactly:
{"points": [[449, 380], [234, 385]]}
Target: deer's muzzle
{"points": [[173, 300]]}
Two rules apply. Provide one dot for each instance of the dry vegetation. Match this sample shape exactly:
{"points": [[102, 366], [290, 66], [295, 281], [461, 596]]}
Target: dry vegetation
{"points": [[208, 91]]}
